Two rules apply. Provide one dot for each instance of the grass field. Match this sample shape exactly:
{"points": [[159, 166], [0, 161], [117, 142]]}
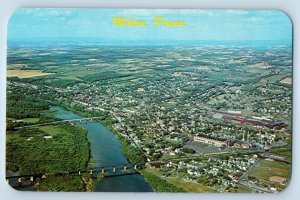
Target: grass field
{"points": [[287, 153], [15, 66], [267, 168], [75, 75], [287, 80], [243, 189], [26, 73], [159, 184], [189, 186], [273, 78], [179, 183], [31, 120]]}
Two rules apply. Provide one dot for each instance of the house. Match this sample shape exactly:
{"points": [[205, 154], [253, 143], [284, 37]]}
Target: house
{"points": [[48, 137], [235, 176], [245, 146], [272, 189], [157, 164]]}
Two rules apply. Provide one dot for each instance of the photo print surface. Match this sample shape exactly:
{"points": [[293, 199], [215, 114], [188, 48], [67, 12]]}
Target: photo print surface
{"points": [[149, 100]]}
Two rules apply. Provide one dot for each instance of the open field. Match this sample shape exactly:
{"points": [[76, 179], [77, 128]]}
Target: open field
{"points": [[26, 73], [75, 75], [267, 169], [179, 183], [158, 184], [243, 189], [189, 186], [15, 66], [285, 152], [31, 120], [287, 80], [273, 78], [261, 65]]}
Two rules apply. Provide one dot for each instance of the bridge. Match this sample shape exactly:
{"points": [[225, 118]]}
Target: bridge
{"points": [[123, 169], [60, 121]]}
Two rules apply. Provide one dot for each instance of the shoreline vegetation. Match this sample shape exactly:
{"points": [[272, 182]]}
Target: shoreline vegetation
{"points": [[158, 184], [208, 124], [41, 149], [135, 156], [54, 183], [77, 183]]}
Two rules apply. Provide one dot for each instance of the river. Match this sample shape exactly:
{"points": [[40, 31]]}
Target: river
{"points": [[106, 151]]}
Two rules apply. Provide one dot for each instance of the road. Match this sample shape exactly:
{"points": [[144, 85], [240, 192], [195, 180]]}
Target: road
{"points": [[243, 180], [255, 188]]}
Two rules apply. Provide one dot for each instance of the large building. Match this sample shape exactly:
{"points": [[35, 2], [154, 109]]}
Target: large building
{"points": [[211, 141], [221, 142], [254, 120]]}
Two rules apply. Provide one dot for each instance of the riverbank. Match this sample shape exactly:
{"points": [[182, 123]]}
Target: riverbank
{"points": [[44, 149], [134, 155], [106, 150], [158, 184], [49, 149]]}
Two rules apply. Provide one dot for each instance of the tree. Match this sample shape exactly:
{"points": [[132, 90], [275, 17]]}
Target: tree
{"points": [[188, 150]]}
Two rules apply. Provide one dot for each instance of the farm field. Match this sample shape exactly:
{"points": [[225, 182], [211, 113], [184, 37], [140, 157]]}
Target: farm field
{"points": [[287, 80], [26, 73]]}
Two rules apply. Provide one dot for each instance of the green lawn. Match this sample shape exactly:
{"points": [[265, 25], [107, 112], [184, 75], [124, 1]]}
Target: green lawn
{"points": [[267, 168], [159, 184], [172, 183], [31, 120], [243, 189], [285, 152], [189, 186]]}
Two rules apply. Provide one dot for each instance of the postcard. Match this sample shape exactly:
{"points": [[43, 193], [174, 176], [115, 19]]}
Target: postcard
{"points": [[149, 100]]}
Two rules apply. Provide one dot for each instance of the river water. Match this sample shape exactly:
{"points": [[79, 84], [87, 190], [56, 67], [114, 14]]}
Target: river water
{"points": [[106, 151]]}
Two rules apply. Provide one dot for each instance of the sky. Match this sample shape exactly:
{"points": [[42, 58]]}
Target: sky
{"points": [[32, 24]]}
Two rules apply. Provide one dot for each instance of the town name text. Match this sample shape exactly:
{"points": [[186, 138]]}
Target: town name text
{"points": [[157, 21]]}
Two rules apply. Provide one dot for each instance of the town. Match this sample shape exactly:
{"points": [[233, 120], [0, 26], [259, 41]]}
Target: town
{"points": [[215, 117]]}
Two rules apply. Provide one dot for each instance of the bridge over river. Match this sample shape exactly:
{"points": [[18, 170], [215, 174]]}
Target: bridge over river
{"points": [[88, 119], [105, 149], [94, 172]]}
